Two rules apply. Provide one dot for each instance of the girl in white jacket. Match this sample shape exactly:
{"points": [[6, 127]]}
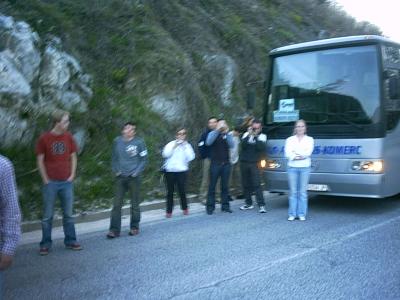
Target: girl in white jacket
{"points": [[177, 153], [298, 150]]}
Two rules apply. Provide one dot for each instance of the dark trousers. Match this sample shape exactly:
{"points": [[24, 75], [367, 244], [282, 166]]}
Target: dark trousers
{"points": [[123, 185], [178, 179], [251, 182], [223, 171]]}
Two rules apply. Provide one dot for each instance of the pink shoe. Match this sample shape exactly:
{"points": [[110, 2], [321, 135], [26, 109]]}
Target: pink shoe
{"points": [[186, 212], [168, 215]]}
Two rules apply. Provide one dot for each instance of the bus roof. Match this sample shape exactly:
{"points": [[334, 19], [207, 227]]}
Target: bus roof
{"points": [[329, 43]]}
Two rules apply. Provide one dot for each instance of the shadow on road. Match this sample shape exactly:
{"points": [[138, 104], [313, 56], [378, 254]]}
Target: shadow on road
{"points": [[352, 205]]}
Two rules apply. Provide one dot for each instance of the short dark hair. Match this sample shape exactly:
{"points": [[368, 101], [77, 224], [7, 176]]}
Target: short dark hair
{"points": [[212, 117], [256, 121], [129, 123]]}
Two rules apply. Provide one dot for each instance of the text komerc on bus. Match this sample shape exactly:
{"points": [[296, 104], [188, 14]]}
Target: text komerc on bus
{"points": [[348, 91]]}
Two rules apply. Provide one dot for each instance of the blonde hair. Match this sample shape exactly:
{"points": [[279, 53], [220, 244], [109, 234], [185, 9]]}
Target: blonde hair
{"points": [[297, 122], [57, 115]]}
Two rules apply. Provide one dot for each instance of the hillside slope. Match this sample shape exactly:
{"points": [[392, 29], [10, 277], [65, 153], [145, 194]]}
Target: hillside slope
{"points": [[163, 64]]}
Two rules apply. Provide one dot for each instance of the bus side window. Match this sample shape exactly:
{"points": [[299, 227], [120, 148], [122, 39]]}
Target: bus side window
{"points": [[392, 97]]}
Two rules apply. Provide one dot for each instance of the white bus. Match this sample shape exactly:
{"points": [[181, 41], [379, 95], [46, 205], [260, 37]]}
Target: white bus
{"points": [[348, 91]]}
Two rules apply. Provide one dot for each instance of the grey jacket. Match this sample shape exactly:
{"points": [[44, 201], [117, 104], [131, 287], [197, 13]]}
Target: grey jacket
{"points": [[129, 158]]}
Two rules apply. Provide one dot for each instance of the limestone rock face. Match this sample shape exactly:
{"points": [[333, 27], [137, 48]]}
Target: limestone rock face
{"points": [[170, 106], [35, 82], [223, 70]]}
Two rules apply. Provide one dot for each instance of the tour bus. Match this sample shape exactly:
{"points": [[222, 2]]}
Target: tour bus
{"points": [[348, 91]]}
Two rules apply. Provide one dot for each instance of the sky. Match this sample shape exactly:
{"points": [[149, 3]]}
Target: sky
{"points": [[382, 13]]}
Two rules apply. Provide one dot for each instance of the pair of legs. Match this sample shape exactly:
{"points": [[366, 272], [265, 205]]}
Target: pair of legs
{"points": [[221, 171], [176, 179], [251, 183], [65, 191], [298, 181], [123, 185]]}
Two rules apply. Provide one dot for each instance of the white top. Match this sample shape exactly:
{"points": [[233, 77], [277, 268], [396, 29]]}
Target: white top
{"points": [[295, 147], [178, 158], [234, 152]]}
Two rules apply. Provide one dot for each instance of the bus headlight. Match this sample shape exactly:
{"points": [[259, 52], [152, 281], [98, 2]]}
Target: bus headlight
{"points": [[270, 164], [368, 166]]}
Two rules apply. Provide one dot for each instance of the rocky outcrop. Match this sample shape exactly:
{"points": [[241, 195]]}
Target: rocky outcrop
{"points": [[35, 82]]}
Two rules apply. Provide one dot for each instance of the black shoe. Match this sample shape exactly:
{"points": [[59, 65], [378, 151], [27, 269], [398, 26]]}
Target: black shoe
{"points": [[209, 212], [227, 210], [230, 198], [240, 196]]}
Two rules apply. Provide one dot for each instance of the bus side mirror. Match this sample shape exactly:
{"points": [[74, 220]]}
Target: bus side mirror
{"points": [[394, 86]]}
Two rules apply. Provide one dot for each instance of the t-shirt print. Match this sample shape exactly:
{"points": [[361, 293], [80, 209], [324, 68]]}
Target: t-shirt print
{"points": [[58, 148], [131, 150]]}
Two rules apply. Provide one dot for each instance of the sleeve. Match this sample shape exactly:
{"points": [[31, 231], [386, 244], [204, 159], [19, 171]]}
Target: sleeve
{"points": [[74, 145], [143, 158], [211, 137], [189, 153], [230, 141], [289, 151], [261, 143], [9, 211], [168, 150]]}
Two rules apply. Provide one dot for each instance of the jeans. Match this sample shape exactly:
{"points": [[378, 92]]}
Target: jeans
{"points": [[218, 170], [204, 178], [123, 185], [178, 179], [298, 181], [251, 182], [65, 191]]}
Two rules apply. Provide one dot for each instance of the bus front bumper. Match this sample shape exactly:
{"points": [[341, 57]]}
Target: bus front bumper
{"points": [[350, 185]]}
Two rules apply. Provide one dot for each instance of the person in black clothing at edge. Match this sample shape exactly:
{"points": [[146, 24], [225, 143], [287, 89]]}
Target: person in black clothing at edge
{"points": [[253, 149], [219, 142]]}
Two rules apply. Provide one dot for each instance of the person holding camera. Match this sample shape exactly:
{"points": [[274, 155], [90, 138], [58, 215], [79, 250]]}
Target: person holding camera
{"points": [[178, 154], [219, 142], [253, 149]]}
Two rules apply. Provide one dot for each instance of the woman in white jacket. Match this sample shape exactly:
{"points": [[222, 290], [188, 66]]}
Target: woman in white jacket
{"points": [[298, 150], [177, 154]]}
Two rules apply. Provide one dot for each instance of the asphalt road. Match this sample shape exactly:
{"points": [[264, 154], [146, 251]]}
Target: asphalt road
{"points": [[347, 249]]}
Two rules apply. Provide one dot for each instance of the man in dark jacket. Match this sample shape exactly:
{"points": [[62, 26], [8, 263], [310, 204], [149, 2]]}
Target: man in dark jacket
{"points": [[253, 149], [219, 142], [204, 154]]}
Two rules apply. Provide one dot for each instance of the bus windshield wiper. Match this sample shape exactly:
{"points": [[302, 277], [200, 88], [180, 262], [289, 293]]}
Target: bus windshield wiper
{"points": [[340, 115]]}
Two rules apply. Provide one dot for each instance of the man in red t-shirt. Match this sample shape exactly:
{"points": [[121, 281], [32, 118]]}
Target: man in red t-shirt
{"points": [[57, 160]]}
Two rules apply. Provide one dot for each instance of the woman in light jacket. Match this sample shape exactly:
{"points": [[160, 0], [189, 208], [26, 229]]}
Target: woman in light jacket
{"points": [[177, 154], [298, 149]]}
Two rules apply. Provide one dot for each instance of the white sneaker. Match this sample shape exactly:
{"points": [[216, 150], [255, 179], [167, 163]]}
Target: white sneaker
{"points": [[302, 218], [291, 218], [262, 209], [246, 207]]}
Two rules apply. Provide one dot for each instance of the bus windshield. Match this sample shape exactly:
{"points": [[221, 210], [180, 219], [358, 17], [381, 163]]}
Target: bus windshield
{"points": [[325, 87]]}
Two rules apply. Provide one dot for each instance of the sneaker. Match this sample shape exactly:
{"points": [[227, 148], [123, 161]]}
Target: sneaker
{"points": [[291, 218], [246, 207], [43, 251], [262, 209], [112, 234], [227, 210], [75, 247], [186, 212], [168, 215], [302, 218], [133, 231]]}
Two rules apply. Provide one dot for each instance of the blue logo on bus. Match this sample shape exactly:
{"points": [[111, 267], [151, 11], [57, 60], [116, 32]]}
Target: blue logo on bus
{"points": [[322, 150]]}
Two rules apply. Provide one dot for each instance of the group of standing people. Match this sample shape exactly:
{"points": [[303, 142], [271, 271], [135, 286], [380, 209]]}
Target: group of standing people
{"points": [[219, 149]]}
